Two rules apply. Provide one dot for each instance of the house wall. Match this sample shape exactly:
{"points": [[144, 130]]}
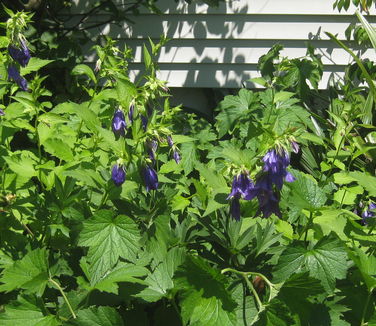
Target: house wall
{"points": [[220, 47]]}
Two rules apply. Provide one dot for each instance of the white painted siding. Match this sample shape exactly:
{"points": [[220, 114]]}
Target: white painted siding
{"points": [[220, 47]]}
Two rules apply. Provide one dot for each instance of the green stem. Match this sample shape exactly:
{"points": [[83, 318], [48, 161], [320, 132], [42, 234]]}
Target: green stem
{"points": [[362, 323], [245, 276], [64, 296], [251, 287]]}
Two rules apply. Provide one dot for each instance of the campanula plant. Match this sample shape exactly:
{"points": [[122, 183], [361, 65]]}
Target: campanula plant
{"points": [[117, 208]]}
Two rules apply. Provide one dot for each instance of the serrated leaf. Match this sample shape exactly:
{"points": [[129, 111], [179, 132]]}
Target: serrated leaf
{"points": [[26, 311], [232, 108], [98, 316], [326, 261], [204, 298], [275, 314], [123, 272], [29, 273], [58, 148], [34, 65], [265, 237], [108, 239], [189, 157], [305, 193], [161, 280]]}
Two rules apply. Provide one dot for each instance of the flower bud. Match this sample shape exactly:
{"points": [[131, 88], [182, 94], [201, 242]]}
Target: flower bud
{"points": [[118, 174], [150, 178], [118, 123]]}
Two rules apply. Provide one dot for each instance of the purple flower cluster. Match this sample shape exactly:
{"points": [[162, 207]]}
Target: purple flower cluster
{"points": [[368, 213], [266, 188], [21, 55]]}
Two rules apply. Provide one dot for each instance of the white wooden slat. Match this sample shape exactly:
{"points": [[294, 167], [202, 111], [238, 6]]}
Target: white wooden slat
{"points": [[216, 76], [215, 53], [227, 27], [298, 7]]}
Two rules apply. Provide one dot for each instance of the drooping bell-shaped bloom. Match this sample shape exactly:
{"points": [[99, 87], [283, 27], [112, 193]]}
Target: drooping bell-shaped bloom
{"points": [[21, 54], [118, 174], [176, 156], [152, 146], [170, 141], [295, 147], [14, 74], [131, 113], [235, 209], [2, 112], [242, 187], [267, 197], [275, 164], [118, 123], [368, 213], [144, 122], [150, 178]]}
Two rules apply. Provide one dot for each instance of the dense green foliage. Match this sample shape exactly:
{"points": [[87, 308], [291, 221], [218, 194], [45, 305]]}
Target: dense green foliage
{"points": [[135, 225]]}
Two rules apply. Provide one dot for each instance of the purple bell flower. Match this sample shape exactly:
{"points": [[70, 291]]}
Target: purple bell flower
{"points": [[150, 178], [118, 123], [275, 165], [295, 147], [14, 74], [118, 174], [170, 141], [131, 113], [176, 156], [235, 209], [152, 146], [2, 112], [144, 122], [21, 55], [242, 187], [367, 214]]}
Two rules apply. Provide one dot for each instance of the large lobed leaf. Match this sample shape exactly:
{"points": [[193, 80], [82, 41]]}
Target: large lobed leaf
{"points": [[326, 261], [108, 239], [204, 298]]}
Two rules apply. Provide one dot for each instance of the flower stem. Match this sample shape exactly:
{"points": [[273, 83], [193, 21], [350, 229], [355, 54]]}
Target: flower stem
{"points": [[362, 323], [64, 296]]}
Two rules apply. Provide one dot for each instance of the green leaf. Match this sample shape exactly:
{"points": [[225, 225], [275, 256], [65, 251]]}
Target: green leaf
{"points": [[366, 265], [326, 261], [305, 193], [204, 297], [98, 316], [58, 148], [108, 239], [34, 65], [189, 157], [232, 108], [147, 57], [27, 310], [266, 61], [123, 272], [29, 273], [22, 163], [126, 91], [275, 314], [266, 237], [160, 281], [368, 182], [82, 69]]}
